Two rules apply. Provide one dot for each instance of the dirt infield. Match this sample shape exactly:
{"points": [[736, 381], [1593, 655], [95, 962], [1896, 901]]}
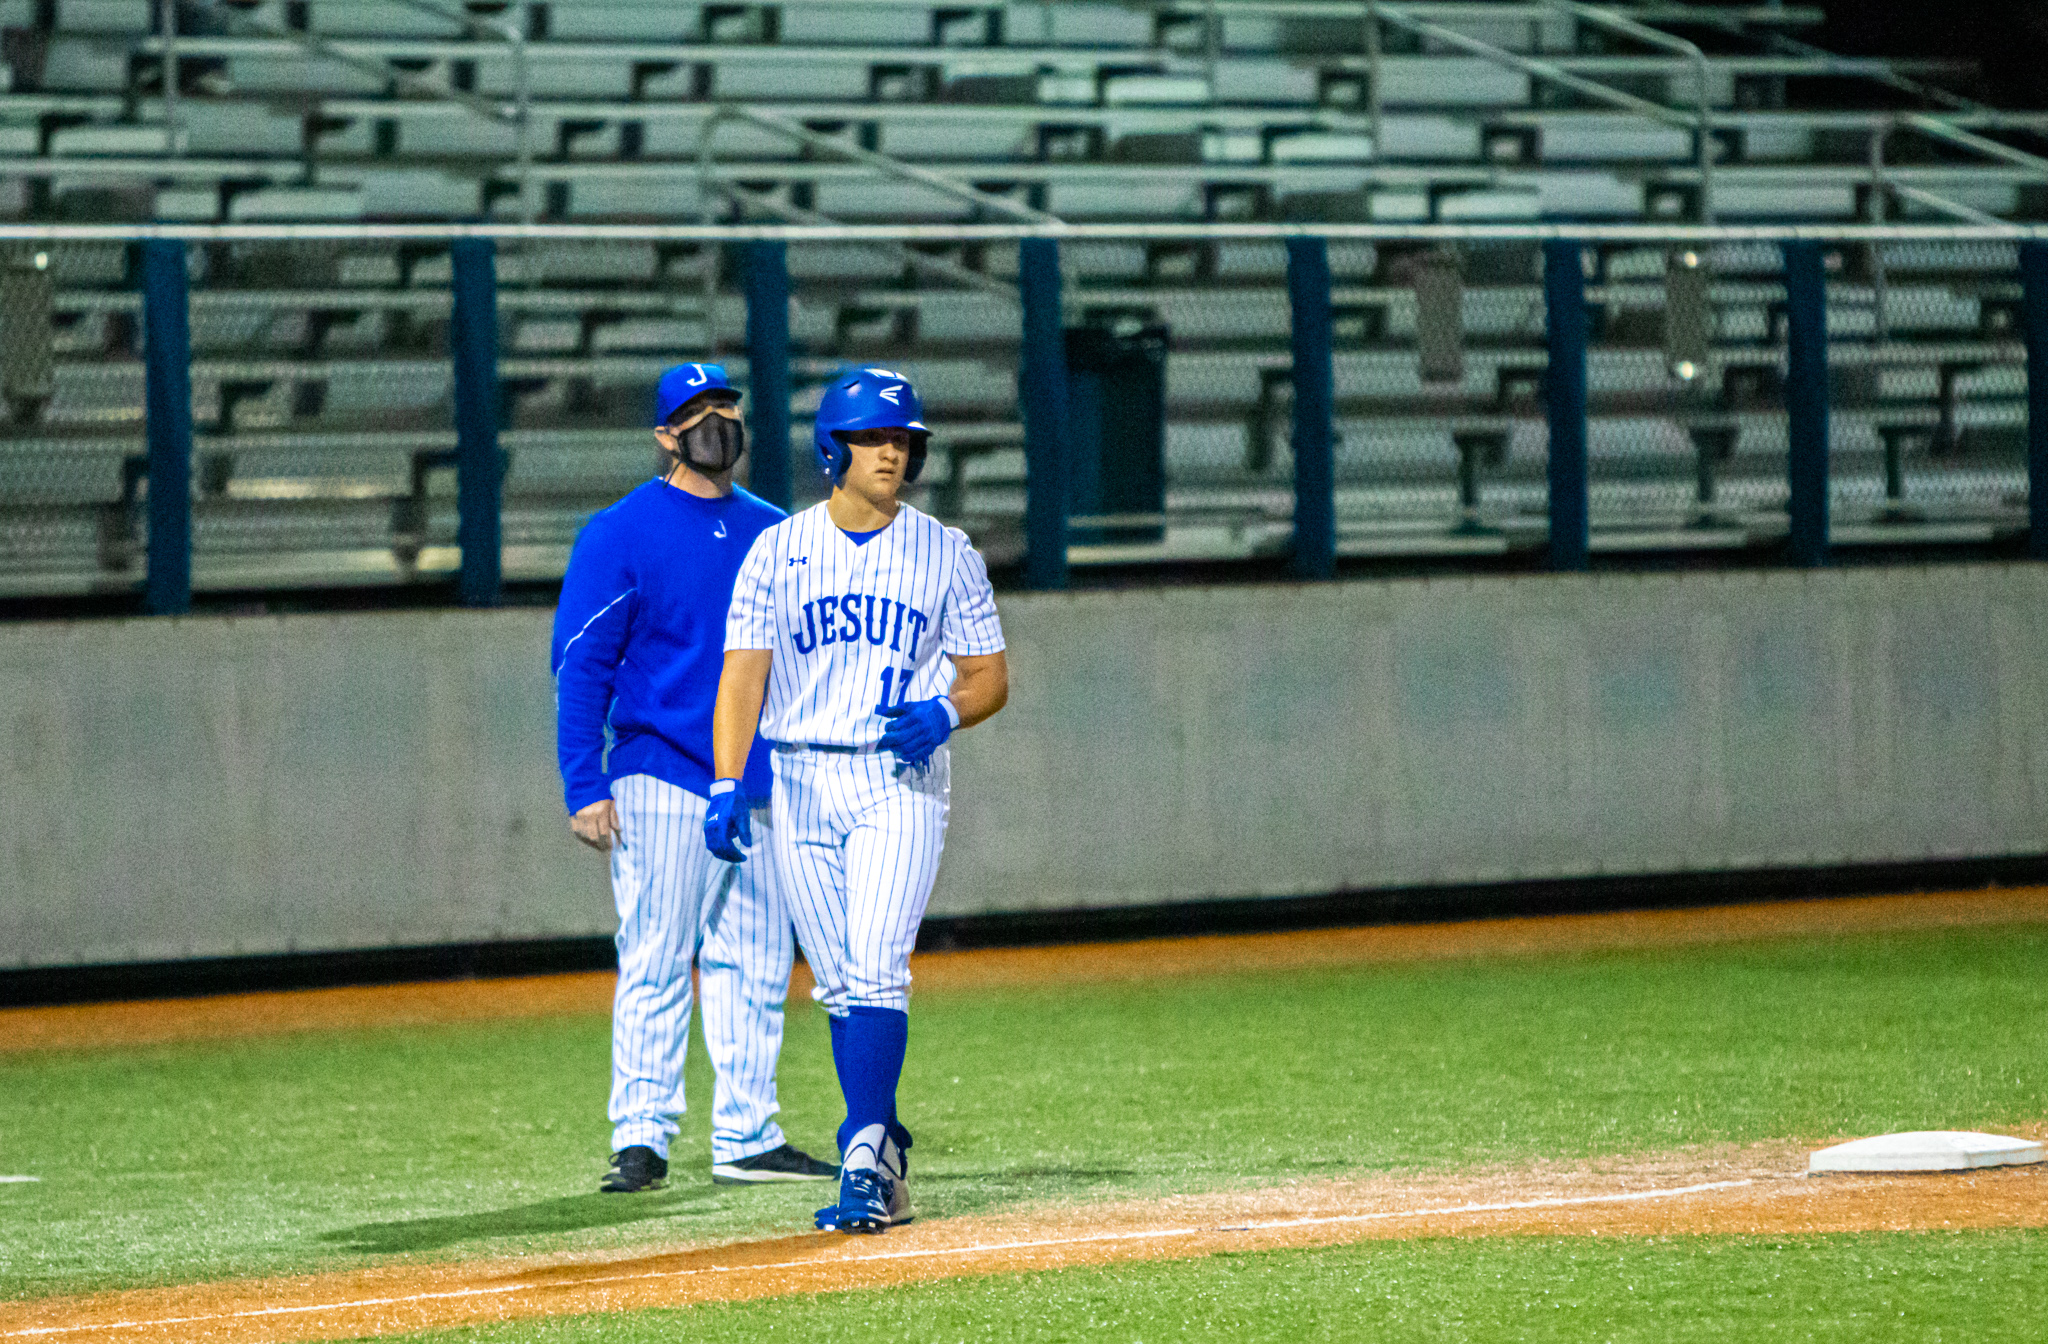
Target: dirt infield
{"points": [[1755, 1190], [232, 1015]]}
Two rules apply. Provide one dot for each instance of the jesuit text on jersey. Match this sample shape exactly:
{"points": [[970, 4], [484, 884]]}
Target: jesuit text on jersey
{"points": [[849, 618]]}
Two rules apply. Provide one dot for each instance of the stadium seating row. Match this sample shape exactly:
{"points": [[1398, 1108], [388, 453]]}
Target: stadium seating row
{"points": [[321, 382], [1246, 109], [329, 397]]}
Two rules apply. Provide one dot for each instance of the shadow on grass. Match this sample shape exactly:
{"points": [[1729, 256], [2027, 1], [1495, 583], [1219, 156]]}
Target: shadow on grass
{"points": [[572, 1213], [1026, 1175]]}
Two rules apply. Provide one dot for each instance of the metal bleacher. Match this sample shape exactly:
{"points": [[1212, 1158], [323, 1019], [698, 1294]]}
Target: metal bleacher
{"points": [[321, 382]]}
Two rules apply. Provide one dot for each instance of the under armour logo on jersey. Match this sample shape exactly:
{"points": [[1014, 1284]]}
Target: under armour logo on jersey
{"points": [[796, 560], [719, 531]]}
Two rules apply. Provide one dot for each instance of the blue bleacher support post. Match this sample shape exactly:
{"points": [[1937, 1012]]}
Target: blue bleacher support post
{"points": [[1315, 474], [2034, 314], [167, 406], [766, 270], [1806, 399], [1564, 298], [1042, 384], [479, 470]]}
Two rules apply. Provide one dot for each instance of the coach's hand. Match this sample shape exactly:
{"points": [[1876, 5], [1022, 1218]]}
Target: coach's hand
{"points": [[727, 830], [917, 729], [596, 825]]}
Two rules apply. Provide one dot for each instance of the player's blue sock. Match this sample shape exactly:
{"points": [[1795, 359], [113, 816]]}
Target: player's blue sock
{"points": [[868, 1050]]}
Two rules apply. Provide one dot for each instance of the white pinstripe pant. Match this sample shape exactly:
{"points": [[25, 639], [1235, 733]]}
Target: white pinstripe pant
{"points": [[678, 904], [857, 850]]}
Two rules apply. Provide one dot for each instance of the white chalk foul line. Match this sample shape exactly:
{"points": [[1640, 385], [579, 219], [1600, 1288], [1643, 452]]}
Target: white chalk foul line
{"points": [[19, 1180], [921, 1253], [1489, 1208]]}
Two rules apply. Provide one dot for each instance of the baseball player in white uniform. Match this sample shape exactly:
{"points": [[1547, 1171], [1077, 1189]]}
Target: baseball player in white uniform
{"points": [[638, 648], [862, 634]]}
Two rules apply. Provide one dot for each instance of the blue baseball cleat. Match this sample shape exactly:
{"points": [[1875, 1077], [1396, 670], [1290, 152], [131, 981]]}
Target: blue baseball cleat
{"points": [[874, 1186], [864, 1198]]}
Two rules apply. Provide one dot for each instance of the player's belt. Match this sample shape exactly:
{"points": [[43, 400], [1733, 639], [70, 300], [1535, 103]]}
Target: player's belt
{"points": [[833, 747]]}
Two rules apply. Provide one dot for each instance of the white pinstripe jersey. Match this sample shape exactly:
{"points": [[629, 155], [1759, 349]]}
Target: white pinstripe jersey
{"points": [[852, 624]]}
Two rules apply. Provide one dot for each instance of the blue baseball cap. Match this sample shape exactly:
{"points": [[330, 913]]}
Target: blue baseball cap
{"points": [[685, 381]]}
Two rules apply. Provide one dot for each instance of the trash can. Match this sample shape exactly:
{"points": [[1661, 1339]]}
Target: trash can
{"points": [[1116, 445]]}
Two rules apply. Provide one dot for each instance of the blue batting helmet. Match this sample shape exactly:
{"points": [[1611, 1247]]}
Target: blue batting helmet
{"points": [[685, 381], [863, 398]]}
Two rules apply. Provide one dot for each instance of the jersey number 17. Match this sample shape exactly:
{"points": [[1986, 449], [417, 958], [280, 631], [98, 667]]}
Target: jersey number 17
{"points": [[890, 683]]}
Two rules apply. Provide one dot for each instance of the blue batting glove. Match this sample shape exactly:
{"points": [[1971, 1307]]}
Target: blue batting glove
{"points": [[918, 729], [727, 827]]}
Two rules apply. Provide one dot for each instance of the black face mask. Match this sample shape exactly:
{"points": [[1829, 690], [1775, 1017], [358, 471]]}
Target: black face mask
{"points": [[713, 444]]}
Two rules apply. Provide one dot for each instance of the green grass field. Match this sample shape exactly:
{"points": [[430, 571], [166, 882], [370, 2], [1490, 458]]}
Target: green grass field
{"points": [[322, 1151], [1979, 1286]]}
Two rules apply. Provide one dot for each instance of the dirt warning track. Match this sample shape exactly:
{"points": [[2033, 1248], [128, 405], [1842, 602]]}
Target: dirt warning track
{"points": [[226, 1016], [1753, 1190]]}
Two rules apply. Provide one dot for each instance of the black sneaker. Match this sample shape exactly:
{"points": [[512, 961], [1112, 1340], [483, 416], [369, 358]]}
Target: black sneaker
{"points": [[777, 1164], [636, 1168]]}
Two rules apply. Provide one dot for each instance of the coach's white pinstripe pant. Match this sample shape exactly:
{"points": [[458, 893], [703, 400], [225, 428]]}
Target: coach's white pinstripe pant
{"points": [[677, 904], [857, 850]]}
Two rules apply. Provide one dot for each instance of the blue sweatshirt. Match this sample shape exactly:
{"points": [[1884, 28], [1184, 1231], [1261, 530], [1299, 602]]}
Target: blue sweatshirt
{"points": [[640, 640]]}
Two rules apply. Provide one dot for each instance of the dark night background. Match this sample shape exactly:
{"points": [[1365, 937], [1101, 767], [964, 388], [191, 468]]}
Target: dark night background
{"points": [[2008, 38]]}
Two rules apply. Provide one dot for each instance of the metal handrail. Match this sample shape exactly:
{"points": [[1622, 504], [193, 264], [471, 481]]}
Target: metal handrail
{"points": [[1767, 12], [1493, 11], [167, 25], [709, 184], [1163, 58], [1399, 16], [881, 163], [937, 266], [1374, 11], [522, 75], [1376, 103], [1855, 69], [1970, 214], [2004, 231], [1212, 45], [1882, 181], [1703, 119], [1990, 149], [1702, 81], [407, 80], [1154, 116], [1933, 127], [337, 52]]}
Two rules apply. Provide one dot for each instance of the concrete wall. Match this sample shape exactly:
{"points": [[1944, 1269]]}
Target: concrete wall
{"points": [[222, 785]]}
